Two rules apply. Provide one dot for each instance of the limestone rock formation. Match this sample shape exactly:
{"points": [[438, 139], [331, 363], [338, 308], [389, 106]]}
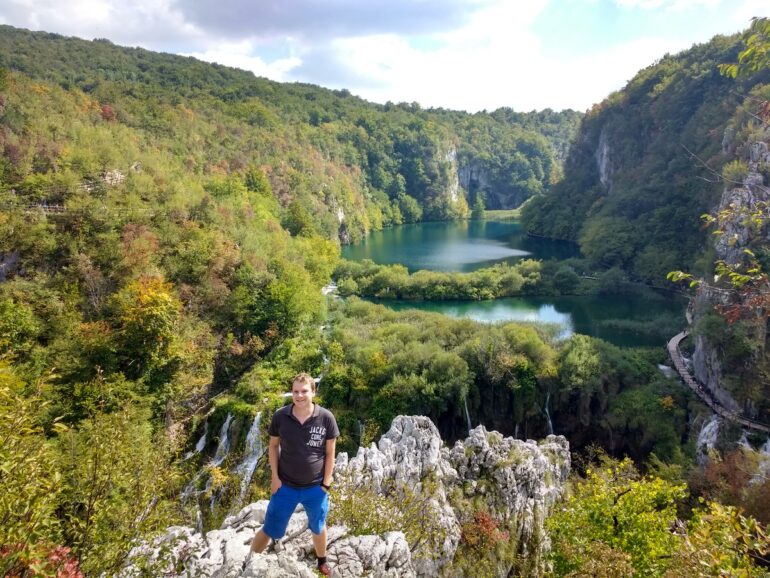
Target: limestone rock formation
{"points": [[221, 553], [744, 197], [518, 481]]}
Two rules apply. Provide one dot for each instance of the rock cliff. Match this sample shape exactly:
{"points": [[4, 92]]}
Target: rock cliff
{"points": [[517, 482], [738, 200]]}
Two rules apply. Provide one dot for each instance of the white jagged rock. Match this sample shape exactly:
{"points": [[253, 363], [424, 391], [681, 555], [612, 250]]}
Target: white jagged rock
{"points": [[517, 480], [221, 553]]}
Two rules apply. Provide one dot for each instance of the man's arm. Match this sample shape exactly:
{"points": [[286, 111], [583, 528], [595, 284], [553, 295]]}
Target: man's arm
{"points": [[273, 450], [329, 461]]}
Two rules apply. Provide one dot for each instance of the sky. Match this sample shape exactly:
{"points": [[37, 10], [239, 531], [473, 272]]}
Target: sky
{"points": [[460, 54]]}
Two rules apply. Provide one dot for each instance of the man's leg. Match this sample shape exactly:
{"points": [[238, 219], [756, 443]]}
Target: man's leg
{"points": [[319, 543], [260, 542], [316, 502], [279, 510]]}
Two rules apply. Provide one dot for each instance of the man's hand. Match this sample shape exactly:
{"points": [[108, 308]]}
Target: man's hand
{"points": [[275, 485]]}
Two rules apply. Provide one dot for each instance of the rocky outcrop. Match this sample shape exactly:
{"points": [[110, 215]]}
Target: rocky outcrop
{"points": [[454, 180], [474, 178], [745, 197], [741, 199], [516, 481], [602, 156], [706, 360], [221, 553]]}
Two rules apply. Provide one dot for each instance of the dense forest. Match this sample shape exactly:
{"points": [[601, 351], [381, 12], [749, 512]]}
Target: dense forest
{"points": [[166, 228]]}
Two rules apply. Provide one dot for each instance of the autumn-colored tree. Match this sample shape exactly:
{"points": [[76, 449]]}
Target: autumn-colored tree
{"points": [[147, 311]]}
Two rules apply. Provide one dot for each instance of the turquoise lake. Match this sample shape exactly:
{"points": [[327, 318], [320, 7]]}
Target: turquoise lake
{"points": [[456, 245], [470, 245]]}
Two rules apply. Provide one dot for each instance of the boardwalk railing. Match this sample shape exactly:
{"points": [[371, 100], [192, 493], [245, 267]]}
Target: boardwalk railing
{"points": [[703, 392]]}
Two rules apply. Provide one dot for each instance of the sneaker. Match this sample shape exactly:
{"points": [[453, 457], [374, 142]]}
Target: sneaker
{"points": [[324, 569]]}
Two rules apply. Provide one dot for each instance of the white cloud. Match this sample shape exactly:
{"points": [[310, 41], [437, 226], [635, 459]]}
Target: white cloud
{"points": [[153, 24], [240, 55], [472, 67], [474, 54]]}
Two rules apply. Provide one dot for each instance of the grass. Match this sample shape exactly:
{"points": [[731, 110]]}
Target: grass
{"points": [[503, 214]]}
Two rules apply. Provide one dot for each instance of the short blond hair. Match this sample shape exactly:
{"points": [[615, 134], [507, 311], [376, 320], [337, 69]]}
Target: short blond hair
{"points": [[304, 379]]}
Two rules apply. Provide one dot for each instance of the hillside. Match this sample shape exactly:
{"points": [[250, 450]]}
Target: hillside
{"points": [[636, 180], [353, 164], [166, 229]]}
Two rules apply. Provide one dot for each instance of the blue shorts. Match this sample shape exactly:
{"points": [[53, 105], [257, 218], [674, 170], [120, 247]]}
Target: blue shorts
{"points": [[314, 499]]}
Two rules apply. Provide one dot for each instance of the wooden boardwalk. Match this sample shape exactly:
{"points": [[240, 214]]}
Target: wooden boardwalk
{"points": [[703, 393]]}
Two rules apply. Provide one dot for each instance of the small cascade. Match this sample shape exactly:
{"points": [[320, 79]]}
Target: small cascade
{"points": [[248, 465], [764, 462], [222, 450], [707, 438], [201, 442], [516, 431], [547, 412], [224, 442], [467, 415], [667, 370]]}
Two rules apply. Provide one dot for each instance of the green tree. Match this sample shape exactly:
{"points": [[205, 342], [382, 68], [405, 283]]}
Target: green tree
{"points": [[117, 486], [616, 509], [29, 480], [478, 212], [756, 54]]}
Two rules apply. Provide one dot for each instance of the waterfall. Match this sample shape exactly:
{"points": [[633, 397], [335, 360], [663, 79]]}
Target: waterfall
{"points": [[667, 370], [764, 462], [201, 442], [548, 413], [467, 414], [224, 442], [223, 447], [707, 439], [253, 453], [361, 430]]}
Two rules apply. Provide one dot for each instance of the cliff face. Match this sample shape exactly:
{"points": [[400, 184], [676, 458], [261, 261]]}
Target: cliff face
{"points": [[633, 191], [711, 359], [517, 481]]}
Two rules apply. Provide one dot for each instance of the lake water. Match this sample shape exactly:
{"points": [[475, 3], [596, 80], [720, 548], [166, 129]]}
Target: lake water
{"points": [[456, 246], [604, 316], [471, 245]]}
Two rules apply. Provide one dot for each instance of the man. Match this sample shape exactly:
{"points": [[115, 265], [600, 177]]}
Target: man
{"points": [[301, 453]]}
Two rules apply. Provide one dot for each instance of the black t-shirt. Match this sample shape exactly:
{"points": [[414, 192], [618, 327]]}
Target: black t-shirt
{"points": [[303, 446]]}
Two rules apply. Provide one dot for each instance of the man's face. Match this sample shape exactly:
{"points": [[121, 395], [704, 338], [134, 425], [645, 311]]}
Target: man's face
{"points": [[302, 394]]}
